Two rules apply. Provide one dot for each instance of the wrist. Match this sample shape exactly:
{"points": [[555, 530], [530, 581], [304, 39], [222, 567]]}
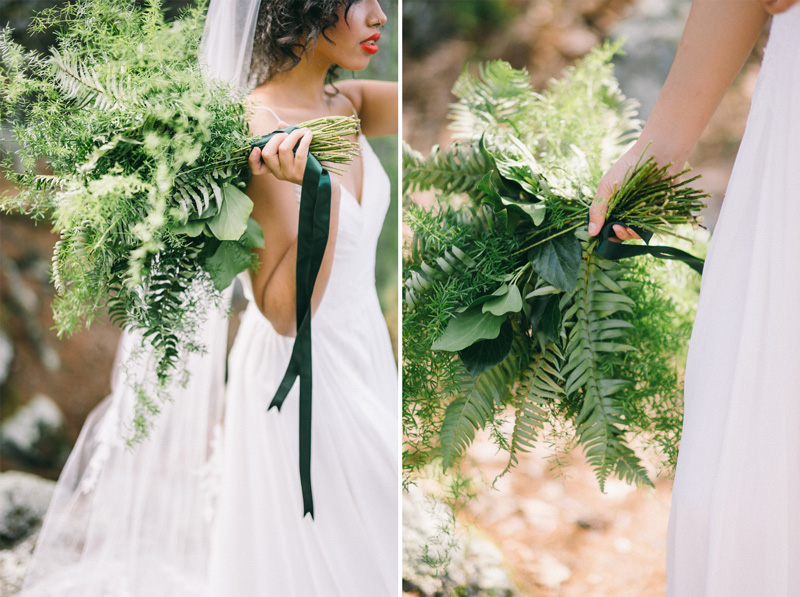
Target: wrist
{"points": [[664, 147]]}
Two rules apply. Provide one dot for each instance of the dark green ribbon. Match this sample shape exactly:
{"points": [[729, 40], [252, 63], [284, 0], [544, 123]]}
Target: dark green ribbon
{"points": [[312, 238], [609, 249]]}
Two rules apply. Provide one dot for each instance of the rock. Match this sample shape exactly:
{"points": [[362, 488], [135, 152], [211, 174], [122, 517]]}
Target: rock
{"points": [[576, 42], [36, 435], [24, 499], [443, 557], [6, 356], [14, 564], [550, 572]]}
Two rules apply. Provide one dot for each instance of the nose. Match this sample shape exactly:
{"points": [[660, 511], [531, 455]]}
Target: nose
{"points": [[377, 16]]}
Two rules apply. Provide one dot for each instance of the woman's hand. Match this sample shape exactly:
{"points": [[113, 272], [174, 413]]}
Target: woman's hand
{"points": [[611, 181], [279, 158], [775, 6], [616, 177], [718, 37]]}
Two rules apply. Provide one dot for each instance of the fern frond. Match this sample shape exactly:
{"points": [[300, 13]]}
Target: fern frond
{"points": [[193, 192], [539, 384], [595, 323], [457, 169], [489, 101], [477, 399], [422, 277], [84, 85]]}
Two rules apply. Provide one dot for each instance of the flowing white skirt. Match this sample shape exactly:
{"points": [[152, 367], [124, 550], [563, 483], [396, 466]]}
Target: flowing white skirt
{"points": [[263, 546], [735, 520]]}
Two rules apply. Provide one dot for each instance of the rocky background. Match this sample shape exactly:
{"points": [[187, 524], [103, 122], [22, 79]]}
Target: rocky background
{"points": [[544, 532], [48, 384]]}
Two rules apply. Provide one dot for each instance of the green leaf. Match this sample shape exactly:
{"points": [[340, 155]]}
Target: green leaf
{"points": [[231, 220], [546, 316], [507, 300], [226, 262], [474, 406], [467, 328], [558, 261], [485, 354], [498, 196], [193, 228], [253, 237]]}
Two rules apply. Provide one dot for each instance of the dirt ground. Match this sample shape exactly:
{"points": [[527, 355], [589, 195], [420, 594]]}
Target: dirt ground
{"points": [[562, 537]]}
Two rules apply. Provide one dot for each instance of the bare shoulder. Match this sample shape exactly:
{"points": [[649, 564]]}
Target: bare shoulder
{"points": [[262, 118], [375, 102], [350, 94]]}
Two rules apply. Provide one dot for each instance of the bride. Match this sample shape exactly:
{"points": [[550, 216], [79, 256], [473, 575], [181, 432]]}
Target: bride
{"points": [[734, 525], [212, 502]]}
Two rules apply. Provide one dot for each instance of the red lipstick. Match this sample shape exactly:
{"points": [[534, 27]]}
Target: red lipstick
{"points": [[369, 45]]}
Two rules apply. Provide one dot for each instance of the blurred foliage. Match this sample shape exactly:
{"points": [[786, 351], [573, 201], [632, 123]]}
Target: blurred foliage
{"points": [[426, 23]]}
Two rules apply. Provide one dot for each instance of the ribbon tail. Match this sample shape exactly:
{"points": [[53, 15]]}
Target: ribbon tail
{"points": [[305, 436], [312, 239], [302, 347]]}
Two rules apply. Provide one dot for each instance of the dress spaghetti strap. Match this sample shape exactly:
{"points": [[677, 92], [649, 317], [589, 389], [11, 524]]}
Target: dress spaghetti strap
{"points": [[270, 110]]}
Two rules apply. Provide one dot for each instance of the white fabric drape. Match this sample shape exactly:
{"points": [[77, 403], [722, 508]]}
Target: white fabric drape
{"points": [[735, 520], [137, 522]]}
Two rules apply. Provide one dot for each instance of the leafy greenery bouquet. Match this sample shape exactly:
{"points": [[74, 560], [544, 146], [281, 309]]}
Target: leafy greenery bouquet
{"points": [[140, 161], [509, 304]]}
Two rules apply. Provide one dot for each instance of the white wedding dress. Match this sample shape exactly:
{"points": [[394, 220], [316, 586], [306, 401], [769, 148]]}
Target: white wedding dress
{"points": [[735, 521], [198, 512], [263, 545]]}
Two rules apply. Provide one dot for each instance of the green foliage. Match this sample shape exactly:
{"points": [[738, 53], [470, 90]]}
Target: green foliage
{"points": [[138, 159], [596, 329], [458, 169], [591, 355]]}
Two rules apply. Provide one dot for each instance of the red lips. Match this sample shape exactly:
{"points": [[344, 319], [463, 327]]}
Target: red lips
{"points": [[369, 45]]}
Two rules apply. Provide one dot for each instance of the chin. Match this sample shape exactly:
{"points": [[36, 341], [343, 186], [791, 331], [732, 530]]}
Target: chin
{"points": [[354, 64]]}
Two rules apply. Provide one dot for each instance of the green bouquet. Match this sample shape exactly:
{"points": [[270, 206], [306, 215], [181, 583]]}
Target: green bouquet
{"points": [[509, 305], [140, 162]]}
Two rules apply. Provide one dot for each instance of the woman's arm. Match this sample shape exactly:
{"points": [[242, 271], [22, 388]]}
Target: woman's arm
{"points": [[275, 208], [718, 37], [376, 104]]}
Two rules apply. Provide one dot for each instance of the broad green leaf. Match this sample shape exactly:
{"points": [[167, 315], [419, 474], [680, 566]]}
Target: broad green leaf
{"points": [[229, 259], [558, 261], [253, 237], [500, 201], [464, 329], [485, 354], [191, 228], [507, 301], [230, 223], [543, 290]]}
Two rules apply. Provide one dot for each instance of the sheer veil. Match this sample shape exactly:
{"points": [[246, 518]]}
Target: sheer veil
{"points": [[122, 521]]}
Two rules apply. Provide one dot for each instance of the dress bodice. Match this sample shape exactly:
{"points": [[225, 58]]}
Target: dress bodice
{"points": [[352, 278]]}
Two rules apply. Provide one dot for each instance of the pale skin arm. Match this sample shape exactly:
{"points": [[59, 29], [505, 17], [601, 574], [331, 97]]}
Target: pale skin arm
{"points": [[275, 209], [718, 38], [376, 105]]}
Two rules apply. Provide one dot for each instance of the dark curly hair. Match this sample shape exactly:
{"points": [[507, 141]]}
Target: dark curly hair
{"points": [[286, 29]]}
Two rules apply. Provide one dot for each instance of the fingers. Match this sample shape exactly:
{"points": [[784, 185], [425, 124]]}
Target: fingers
{"points": [[597, 216], [257, 167], [599, 209], [285, 155], [624, 233]]}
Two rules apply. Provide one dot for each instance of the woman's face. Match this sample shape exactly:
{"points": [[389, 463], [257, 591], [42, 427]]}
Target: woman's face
{"points": [[355, 40]]}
